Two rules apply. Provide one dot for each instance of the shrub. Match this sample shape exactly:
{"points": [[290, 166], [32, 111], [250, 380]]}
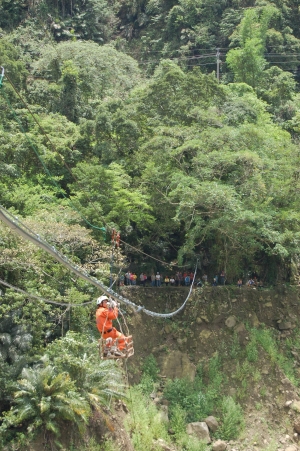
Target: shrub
{"points": [[214, 373], [144, 421], [196, 398], [150, 368], [197, 403], [252, 351], [146, 384], [178, 421], [232, 419], [235, 348], [97, 381], [190, 443], [266, 339]]}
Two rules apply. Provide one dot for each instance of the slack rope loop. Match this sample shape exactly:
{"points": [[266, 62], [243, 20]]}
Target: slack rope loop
{"points": [[29, 235], [47, 301], [169, 265]]}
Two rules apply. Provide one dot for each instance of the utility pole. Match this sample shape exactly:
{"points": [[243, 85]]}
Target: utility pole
{"points": [[218, 64]]}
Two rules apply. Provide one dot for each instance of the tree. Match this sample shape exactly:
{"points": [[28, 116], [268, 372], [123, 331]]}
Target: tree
{"points": [[101, 71], [113, 194], [276, 87], [248, 62], [12, 62], [69, 92], [172, 94], [11, 13], [43, 400], [96, 381], [94, 19]]}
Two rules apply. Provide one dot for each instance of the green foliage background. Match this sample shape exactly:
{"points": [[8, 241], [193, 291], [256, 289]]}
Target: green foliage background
{"points": [[111, 115], [184, 166]]}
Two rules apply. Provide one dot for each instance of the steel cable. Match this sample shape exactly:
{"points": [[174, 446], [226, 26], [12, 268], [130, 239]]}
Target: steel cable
{"points": [[47, 301], [29, 235]]}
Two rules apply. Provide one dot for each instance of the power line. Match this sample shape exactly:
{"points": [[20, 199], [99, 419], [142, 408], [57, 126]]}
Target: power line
{"points": [[212, 63], [195, 57], [157, 259], [284, 62], [209, 49], [281, 54], [176, 50]]}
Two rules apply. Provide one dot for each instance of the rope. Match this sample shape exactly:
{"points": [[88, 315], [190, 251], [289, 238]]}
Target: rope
{"points": [[117, 277], [17, 263], [38, 270], [125, 324], [42, 299], [131, 402], [153, 258], [28, 234]]}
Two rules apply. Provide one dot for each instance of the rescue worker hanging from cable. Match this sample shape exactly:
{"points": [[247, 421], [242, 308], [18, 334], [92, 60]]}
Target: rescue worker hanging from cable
{"points": [[107, 311]]}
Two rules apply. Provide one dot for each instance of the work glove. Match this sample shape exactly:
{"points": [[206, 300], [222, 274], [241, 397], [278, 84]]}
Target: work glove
{"points": [[113, 303]]}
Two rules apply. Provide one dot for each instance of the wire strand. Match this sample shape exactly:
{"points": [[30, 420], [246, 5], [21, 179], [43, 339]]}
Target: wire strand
{"points": [[47, 301]]}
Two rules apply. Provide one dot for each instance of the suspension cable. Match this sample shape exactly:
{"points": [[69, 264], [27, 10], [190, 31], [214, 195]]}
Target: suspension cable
{"points": [[29, 235]]}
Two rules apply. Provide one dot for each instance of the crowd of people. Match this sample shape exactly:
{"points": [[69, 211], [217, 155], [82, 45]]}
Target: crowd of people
{"points": [[156, 279], [185, 279], [253, 282], [178, 279]]}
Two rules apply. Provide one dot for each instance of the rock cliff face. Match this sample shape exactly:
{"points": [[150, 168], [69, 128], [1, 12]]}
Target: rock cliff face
{"points": [[211, 317], [216, 320]]}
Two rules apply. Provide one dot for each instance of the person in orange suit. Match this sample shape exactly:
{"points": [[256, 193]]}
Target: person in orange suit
{"points": [[107, 311]]}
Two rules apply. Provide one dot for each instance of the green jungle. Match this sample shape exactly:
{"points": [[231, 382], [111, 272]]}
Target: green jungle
{"points": [[175, 123]]}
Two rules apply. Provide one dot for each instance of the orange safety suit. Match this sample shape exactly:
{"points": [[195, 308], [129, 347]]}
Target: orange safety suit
{"points": [[104, 317]]}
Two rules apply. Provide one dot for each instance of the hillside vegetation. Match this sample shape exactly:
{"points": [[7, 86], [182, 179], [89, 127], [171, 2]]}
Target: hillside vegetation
{"points": [[175, 123]]}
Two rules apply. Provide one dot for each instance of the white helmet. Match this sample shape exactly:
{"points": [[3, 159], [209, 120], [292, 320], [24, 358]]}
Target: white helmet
{"points": [[101, 299]]}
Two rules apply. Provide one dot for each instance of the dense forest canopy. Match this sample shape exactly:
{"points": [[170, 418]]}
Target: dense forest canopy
{"points": [[184, 165], [175, 122]]}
